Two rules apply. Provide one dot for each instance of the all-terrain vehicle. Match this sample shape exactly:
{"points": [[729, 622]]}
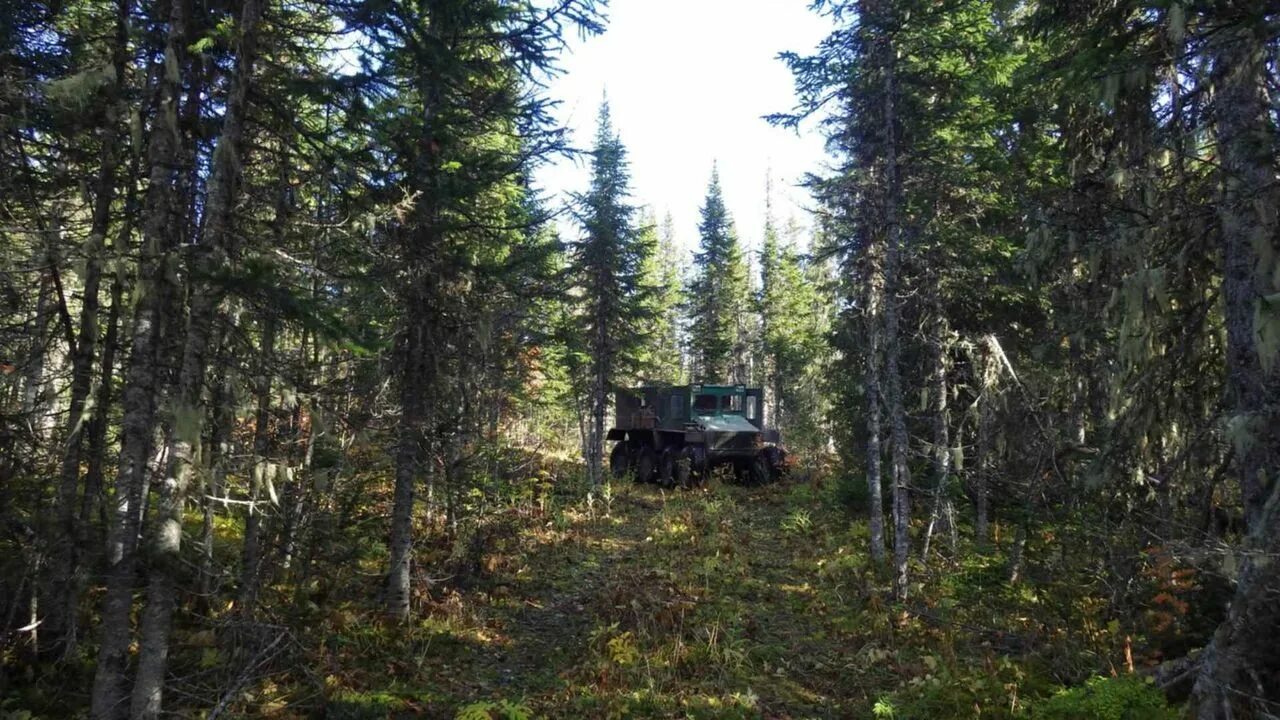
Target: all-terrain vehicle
{"points": [[676, 435]]}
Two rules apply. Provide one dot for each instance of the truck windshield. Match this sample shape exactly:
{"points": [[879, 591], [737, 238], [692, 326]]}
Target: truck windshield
{"points": [[712, 404]]}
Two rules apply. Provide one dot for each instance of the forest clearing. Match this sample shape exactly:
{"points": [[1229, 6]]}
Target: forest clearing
{"points": [[785, 359]]}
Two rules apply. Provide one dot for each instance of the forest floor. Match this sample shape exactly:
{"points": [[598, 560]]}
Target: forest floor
{"points": [[723, 602], [649, 603], [719, 602]]}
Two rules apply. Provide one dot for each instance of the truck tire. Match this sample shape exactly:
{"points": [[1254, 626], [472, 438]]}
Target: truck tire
{"points": [[619, 461], [777, 458], [759, 472], [646, 464], [691, 469], [667, 467]]}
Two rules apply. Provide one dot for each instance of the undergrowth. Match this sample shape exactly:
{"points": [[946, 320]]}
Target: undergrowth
{"points": [[721, 602]]}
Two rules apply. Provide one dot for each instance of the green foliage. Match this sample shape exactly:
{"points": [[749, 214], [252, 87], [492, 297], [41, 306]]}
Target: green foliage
{"points": [[661, 358], [500, 710], [883, 710], [797, 523], [1108, 698], [717, 300]]}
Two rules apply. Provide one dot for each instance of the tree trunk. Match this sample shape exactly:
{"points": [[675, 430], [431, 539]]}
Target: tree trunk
{"points": [[875, 327], [221, 418], [297, 498], [142, 384], [93, 500], [189, 413], [599, 397], [1247, 214], [35, 410], [892, 339], [982, 459], [66, 601], [408, 458], [941, 421], [1239, 666], [251, 553], [105, 398]]}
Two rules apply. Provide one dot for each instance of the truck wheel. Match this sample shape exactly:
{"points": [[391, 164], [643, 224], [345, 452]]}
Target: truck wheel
{"points": [[667, 467], [686, 475], [760, 473], [777, 458], [619, 461], [646, 464]]}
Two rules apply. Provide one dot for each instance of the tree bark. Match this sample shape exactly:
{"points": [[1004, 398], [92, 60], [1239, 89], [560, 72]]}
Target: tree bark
{"points": [[893, 343], [93, 500], [408, 459], [941, 422], [221, 418], [105, 397], [873, 380], [35, 400], [166, 540], [982, 459], [1243, 654], [251, 552], [142, 383], [66, 601]]}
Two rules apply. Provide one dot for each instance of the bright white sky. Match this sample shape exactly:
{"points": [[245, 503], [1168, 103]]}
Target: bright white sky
{"points": [[688, 82]]}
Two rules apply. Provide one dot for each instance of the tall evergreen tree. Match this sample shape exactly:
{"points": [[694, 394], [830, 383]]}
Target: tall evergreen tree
{"points": [[608, 271], [795, 321], [718, 296], [661, 359]]}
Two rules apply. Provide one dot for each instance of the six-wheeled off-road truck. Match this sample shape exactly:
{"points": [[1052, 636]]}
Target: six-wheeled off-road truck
{"points": [[675, 435]]}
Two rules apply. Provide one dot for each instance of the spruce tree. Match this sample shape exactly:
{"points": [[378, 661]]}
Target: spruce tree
{"points": [[718, 302], [661, 356], [608, 274], [794, 319]]}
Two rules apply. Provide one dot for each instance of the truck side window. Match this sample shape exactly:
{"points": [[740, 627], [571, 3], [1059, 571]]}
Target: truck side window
{"points": [[751, 408], [675, 407]]}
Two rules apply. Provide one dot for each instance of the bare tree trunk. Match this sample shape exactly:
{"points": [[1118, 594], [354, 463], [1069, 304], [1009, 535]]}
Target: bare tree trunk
{"points": [[408, 458], [66, 601], [1243, 652], [141, 385], [941, 421], [105, 398], [35, 410], [165, 563], [873, 381], [296, 496], [221, 419], [251, 553], [599, 403], [893, 340], [1247, 213], [982, 459], [1018, 552], [93, 498], [599, 399]]}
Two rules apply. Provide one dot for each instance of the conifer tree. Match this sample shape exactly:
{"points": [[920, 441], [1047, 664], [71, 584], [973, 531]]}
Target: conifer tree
{"points": [[718, 296], [608, 271], [661, 356], [795, 320]]}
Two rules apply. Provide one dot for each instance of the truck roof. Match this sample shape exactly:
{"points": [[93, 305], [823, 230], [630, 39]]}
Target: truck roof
{"points": [[694, 387]]}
